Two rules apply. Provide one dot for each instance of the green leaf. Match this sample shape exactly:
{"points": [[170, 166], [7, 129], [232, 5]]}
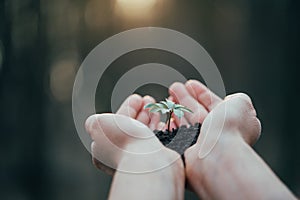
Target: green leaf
{"points": [[164, 104], [183, 108], [149, 105], [161, 105], [167, 107], [155, 109], [178, 106], [170, 104], [164, 111], [178, 113]]}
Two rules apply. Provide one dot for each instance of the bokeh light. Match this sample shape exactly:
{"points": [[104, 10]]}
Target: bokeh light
{"points": [[135, 8], [96, 15], [61, 79]]}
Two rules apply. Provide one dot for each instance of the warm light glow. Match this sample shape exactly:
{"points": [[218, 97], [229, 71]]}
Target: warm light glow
{"points": [[135, 8], [136, 4], [61, 79], [96, 14]]}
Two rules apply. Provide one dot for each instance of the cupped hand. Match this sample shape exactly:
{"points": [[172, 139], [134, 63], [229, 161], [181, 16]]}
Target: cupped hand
{"points": [[233, 114], [127, 135], [233, 117]]}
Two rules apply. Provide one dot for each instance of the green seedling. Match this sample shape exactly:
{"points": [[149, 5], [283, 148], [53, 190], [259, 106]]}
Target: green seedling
{"points": [[168, 107]]}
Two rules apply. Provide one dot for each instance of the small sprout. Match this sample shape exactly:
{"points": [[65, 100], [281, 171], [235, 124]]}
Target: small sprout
{"points": [[168, 107]]}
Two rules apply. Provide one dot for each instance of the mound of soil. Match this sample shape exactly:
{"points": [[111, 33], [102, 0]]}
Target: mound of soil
{"points": [[179, 139]]}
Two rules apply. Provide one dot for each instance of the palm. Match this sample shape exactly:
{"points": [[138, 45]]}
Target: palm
{"points": [[113, 133]]}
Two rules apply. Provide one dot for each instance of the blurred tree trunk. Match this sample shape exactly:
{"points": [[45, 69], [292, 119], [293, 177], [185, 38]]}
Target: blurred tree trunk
{"points": [[22, 100]]}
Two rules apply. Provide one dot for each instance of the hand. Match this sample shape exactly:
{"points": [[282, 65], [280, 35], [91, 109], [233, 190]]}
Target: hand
{"points": [[234, 114], [222, 165], [114, 134], [125, 142]]}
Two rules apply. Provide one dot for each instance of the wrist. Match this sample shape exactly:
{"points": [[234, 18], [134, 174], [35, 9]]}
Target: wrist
{"points": [[166, 181], [153, 160], [221, 158], [226, 151]]}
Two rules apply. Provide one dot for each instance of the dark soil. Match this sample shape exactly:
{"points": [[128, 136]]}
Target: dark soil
{"points": [[185, 137]]}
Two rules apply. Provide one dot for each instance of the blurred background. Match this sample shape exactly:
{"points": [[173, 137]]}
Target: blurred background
{"points": [[254, 43]]}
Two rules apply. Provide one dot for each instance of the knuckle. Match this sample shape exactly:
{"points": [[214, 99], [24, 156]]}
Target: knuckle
{"points": [[255, 133], [93, 149], [243, 103], [241, 96], [244, 97]]}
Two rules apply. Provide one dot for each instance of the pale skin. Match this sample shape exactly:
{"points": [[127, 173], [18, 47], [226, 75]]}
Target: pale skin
{"points": [[167, 182], [221, 165]]}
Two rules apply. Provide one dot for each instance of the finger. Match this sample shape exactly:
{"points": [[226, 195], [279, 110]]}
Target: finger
{"points": [[131, 106], [171, 98], [179, 92], [154, 121], [92, 126], [112, 132], [144, 116], [201, 93], [104, 131]]}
